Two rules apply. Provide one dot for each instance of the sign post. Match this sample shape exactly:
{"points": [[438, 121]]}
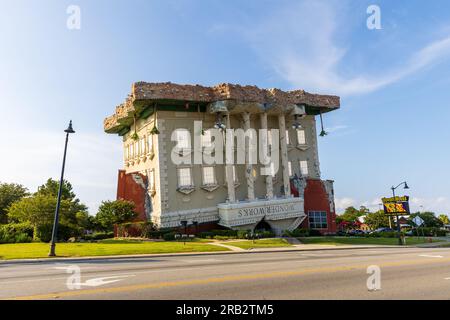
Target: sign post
{"points": [[418, 221], [396, 206]]}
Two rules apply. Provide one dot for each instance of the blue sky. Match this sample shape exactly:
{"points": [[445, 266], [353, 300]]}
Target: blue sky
{"points": [[394, 83]]}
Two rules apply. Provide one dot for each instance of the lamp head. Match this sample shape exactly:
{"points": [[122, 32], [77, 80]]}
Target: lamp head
{"points": [[406, 186], [69, 129], [323, 133]]}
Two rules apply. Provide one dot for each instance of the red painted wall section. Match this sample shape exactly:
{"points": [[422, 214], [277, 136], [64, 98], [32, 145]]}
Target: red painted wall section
{"points": [[128, 189], [316, 199]]}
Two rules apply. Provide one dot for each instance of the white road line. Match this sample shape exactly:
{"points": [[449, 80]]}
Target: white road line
{"points": [[429, 256], [204, 260]]}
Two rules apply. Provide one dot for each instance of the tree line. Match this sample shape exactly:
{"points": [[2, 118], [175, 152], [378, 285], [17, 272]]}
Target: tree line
{"points": [[27, 216], [379, 219]]}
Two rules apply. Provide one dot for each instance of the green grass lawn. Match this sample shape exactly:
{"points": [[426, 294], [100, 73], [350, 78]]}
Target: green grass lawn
{"points": [[104, 248], [264, 243], [357, 240]]}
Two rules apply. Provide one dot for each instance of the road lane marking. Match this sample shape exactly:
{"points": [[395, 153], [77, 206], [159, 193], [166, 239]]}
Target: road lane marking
{"points": [[429, 256], [96, 282], [201, 261], [223, 279]]}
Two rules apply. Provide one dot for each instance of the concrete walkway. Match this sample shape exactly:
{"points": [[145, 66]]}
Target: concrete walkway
{"points": [[232, 248]]}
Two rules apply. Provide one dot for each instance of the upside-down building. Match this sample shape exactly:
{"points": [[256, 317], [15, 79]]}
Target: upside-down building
{"points": [[222, 195]]}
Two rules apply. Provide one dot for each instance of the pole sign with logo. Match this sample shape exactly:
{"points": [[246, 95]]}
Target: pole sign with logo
{"points": [[396, 206]]}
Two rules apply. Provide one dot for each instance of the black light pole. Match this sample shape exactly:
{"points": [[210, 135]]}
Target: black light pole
{"points": [[400, 242], [68, 131]]}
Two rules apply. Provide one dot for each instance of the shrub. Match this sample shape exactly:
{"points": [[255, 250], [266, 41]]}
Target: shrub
{"points": [[170, 236], [429, 232], [297, 233], [390, 234], [314, 233], [221, 237], [16, 232], [22, 238], [225, 233], [140, 229], [243, 234], [266, 234], [99, 236], [206, 235], [44, 232]]}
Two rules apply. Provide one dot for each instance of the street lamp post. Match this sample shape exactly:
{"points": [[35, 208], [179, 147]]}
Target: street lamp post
{"points": [[400, 242], [68, 131]]}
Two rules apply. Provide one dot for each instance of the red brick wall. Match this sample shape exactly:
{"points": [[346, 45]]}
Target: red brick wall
{"points": [[316, 199], [128, 189]]}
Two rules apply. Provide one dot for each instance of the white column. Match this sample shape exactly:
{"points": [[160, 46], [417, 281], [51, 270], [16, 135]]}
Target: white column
{"points": [[229, 165], [269, 181], [248, 165], [284, 155]]}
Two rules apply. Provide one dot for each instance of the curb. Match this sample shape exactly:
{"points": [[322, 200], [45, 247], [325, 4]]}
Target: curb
{"points": [[188, 254]]}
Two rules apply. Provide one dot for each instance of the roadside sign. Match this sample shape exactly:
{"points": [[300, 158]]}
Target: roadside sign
{"points": [[396, 206], [418, 221]]}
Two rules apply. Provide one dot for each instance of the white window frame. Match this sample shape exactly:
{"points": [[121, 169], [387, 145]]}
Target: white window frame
{"points": [[142, 146], [132, 151], [214, 179], [287, 137], [301, 137], [136, 149], [149, 143], [304, 165], [179, 177], [127, 152], [152, 181]]}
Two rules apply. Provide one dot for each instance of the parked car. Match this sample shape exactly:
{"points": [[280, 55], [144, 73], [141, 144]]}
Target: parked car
{"points": [[379, 230], [355, 232]]}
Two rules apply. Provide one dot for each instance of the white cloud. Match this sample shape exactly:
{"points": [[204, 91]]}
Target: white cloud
{"points": [[438, 205], [343, 203], [92, 162], [300, 43]]}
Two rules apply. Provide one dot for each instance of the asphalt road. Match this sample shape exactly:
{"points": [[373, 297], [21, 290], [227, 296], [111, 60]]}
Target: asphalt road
{"points": [[406, 273]]}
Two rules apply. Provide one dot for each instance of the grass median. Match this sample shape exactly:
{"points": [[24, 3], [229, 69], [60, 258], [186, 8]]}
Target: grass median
{"points": [[104, 248], [263, 243], [362, 241]]}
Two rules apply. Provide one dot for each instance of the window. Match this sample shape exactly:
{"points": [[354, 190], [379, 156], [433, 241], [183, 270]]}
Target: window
{"points": [[317, 220], [149, 143], [209, 176], [303, 167], [142, 146], [184, 177], [131, 146], [290, 168], [287, 137], [151, 180], [206, 139], [301, 138], [127, 152], [136, 148], [183, 139]]}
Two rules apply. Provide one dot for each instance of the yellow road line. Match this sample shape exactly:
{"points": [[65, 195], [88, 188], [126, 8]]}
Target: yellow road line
{"points": [[176, 283]]}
